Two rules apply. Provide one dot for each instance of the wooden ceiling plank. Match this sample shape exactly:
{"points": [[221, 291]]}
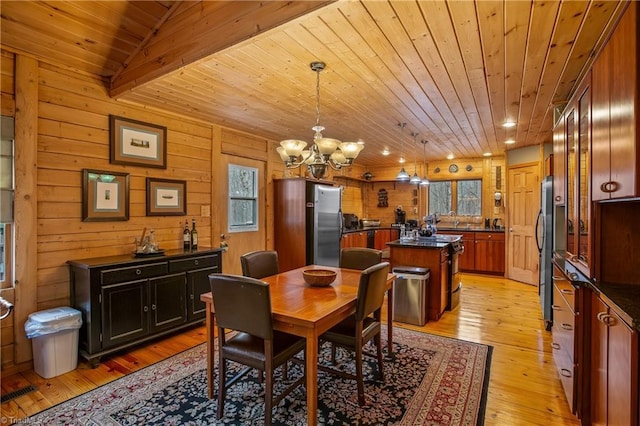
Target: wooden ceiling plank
{"points": [[204, 37], [541, 27], [433, 72], [468, 35]]}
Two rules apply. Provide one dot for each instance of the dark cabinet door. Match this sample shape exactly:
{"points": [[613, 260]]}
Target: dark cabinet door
{"points": [[124, 312], [167, 304], [197, 284]]}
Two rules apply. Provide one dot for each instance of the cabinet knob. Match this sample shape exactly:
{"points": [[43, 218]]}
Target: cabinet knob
{"points": [[556, 308], [573, 276], [566, 291], [146, 309], [609, 187], [153, 307], [558, 198], [138, 272], [555, 346], [566, 326], [565, 372], [195, 262]]}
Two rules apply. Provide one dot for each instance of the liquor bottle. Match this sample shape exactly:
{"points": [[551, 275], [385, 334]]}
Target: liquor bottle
{"points": [[186, 236], [194, 235]]}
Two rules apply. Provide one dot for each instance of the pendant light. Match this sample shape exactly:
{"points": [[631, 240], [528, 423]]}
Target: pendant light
{"points": [[415, 178], [403, 176], [424, 180]]}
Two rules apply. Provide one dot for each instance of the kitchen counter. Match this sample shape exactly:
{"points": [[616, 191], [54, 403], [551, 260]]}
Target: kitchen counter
{"points": [[463, 228], [624, 298], [435, 242]]}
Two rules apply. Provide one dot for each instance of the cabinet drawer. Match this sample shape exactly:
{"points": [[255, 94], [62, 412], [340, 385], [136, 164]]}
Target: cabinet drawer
{"points": [[490, 236], [119, 275], [192, 263], [566, 290], [563, 331]]}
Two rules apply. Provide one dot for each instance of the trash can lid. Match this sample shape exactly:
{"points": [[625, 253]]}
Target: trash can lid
{"points": [[411, 270], [56, 316]]}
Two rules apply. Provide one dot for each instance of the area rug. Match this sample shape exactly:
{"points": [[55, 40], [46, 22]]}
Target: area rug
{"points": [[430, 380]]}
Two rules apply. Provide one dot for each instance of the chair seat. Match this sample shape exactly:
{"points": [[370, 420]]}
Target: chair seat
{"points": [[249, 349], [343, 333]]}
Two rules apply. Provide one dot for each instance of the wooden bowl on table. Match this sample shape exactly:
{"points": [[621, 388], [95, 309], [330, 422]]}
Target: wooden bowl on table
{"points": [[319, 277]]}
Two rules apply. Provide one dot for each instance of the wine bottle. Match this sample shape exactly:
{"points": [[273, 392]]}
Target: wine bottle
{"points": [[186, 236], [194, 235]]}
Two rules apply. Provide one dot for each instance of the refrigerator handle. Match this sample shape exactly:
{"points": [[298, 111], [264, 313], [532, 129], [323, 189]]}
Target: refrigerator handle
{"points": [[538, 233], [341, 221]]}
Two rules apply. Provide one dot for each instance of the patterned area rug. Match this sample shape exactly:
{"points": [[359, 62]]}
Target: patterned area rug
{"points": [[430, 380]]}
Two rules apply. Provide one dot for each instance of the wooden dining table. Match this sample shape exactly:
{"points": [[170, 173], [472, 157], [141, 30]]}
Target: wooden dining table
{"points": [[305, 311]]}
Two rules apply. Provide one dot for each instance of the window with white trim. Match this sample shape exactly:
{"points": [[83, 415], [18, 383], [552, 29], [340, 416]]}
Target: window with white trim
{"points": [[243, 198]]}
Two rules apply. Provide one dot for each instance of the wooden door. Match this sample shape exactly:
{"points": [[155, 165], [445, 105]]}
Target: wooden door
{"points": [[523, 204], [242, 242]]}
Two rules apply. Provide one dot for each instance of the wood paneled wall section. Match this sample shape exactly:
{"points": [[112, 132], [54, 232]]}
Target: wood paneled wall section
{"points": [[73, 133]]}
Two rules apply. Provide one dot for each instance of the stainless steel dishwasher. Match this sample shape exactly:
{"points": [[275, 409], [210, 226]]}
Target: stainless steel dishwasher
{"points": [[410, 290]]}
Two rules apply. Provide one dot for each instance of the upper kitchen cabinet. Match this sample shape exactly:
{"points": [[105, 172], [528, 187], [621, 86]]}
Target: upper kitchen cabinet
{"points": [[616, 156], [559, 163]]}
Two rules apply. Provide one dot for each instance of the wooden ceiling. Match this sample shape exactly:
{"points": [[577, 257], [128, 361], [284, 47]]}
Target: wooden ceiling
{"points": [[453, 71]]}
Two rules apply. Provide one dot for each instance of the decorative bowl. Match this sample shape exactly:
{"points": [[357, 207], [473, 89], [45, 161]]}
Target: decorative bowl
{"points": [[319, 277]]}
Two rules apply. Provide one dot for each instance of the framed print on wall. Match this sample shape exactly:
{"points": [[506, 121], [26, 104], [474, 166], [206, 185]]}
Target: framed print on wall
{"points": [[166, 197], [105, 196], [137, 143]]}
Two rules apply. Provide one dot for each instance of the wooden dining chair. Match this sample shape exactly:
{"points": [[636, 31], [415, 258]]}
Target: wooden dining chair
{"points": [[355, 331], [243, 304], [359, 258], [259, 264]]}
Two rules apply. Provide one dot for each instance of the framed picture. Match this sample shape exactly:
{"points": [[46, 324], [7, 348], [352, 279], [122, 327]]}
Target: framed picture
{"points": [[105, 196], [166, 197], [137, 143]]}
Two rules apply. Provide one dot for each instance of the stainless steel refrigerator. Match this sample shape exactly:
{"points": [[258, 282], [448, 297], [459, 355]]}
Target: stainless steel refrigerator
{"points": [[324, 225], [544, 241]]}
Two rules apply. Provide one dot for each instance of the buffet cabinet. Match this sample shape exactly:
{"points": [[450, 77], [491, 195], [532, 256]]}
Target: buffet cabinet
{"points": [[126, 300]]}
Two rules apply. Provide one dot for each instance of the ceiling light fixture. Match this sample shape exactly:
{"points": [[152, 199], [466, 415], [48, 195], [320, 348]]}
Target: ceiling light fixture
{"points": [[450, 157], [324, 151], [424, 180], [509, 141], [508, 124], [386, 151], [415, 178], [487, 154], [403, 176]]}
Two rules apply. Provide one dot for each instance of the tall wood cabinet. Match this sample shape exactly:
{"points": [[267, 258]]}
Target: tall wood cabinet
{"points": [[126, 300], [616, 155]]}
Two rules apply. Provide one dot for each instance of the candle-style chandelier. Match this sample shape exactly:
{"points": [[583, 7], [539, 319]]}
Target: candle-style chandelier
{"points": [[324, 152]]}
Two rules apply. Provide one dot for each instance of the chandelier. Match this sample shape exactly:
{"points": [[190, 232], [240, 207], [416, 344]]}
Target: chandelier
{"points": [[324, 152]]}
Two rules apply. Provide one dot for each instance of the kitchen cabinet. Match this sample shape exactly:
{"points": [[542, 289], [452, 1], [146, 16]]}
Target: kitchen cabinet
{"points": [[354, 239], [614, 367], [616, 155], [381, 238], [489, 252], [563, 335], [467, 258], [559, 163], [126, 300]]}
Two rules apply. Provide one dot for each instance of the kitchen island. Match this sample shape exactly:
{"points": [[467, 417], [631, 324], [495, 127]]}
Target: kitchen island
{"points": [[433, 253]]}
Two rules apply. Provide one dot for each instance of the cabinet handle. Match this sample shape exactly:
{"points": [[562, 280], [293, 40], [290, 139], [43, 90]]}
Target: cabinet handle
{"points": [[609, 187], [146, 309], [566, 291], [599, 315], [555, 346], [556, 308], [195, 262], [573, 276], [558, 198], [138, 271], [489, 236], [566, 326], [153, 307], [607, 319], [557, 278], [565, 372]]}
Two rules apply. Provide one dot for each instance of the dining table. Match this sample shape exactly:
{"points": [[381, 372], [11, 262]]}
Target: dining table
{"points": [[307, 311]]}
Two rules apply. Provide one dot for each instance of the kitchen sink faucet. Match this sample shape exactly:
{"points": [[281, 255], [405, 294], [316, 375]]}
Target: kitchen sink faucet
{"points": [[455, 218]]}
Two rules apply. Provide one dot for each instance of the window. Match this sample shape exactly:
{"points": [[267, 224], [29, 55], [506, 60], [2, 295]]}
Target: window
{"points": [[462, 196], [243, 198]]}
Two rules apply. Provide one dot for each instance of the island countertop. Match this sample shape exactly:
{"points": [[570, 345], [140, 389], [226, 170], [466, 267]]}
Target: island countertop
{"points": [[434, 242]]}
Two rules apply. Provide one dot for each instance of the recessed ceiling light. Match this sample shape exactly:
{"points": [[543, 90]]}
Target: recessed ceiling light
{"points": [[487, 154], [386, 151], [509, 141], [450, 157], [508, 124], [402, 160]]}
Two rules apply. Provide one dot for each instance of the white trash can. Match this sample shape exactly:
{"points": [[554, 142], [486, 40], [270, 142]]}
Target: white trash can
{"points": [[55, 340]]}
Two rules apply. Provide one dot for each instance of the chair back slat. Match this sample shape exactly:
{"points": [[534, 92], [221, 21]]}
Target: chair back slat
{"points": [[242, 304], [371, 290]]}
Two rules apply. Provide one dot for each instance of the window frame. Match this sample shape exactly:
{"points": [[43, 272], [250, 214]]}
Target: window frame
{"points": [[454, 196], [254, 225]]}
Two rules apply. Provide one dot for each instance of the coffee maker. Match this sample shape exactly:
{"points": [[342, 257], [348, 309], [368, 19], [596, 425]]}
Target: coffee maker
{"points": [[400, 214]]}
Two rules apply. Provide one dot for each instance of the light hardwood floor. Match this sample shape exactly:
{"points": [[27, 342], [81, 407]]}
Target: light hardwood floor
{"points": [[524, 388]]}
